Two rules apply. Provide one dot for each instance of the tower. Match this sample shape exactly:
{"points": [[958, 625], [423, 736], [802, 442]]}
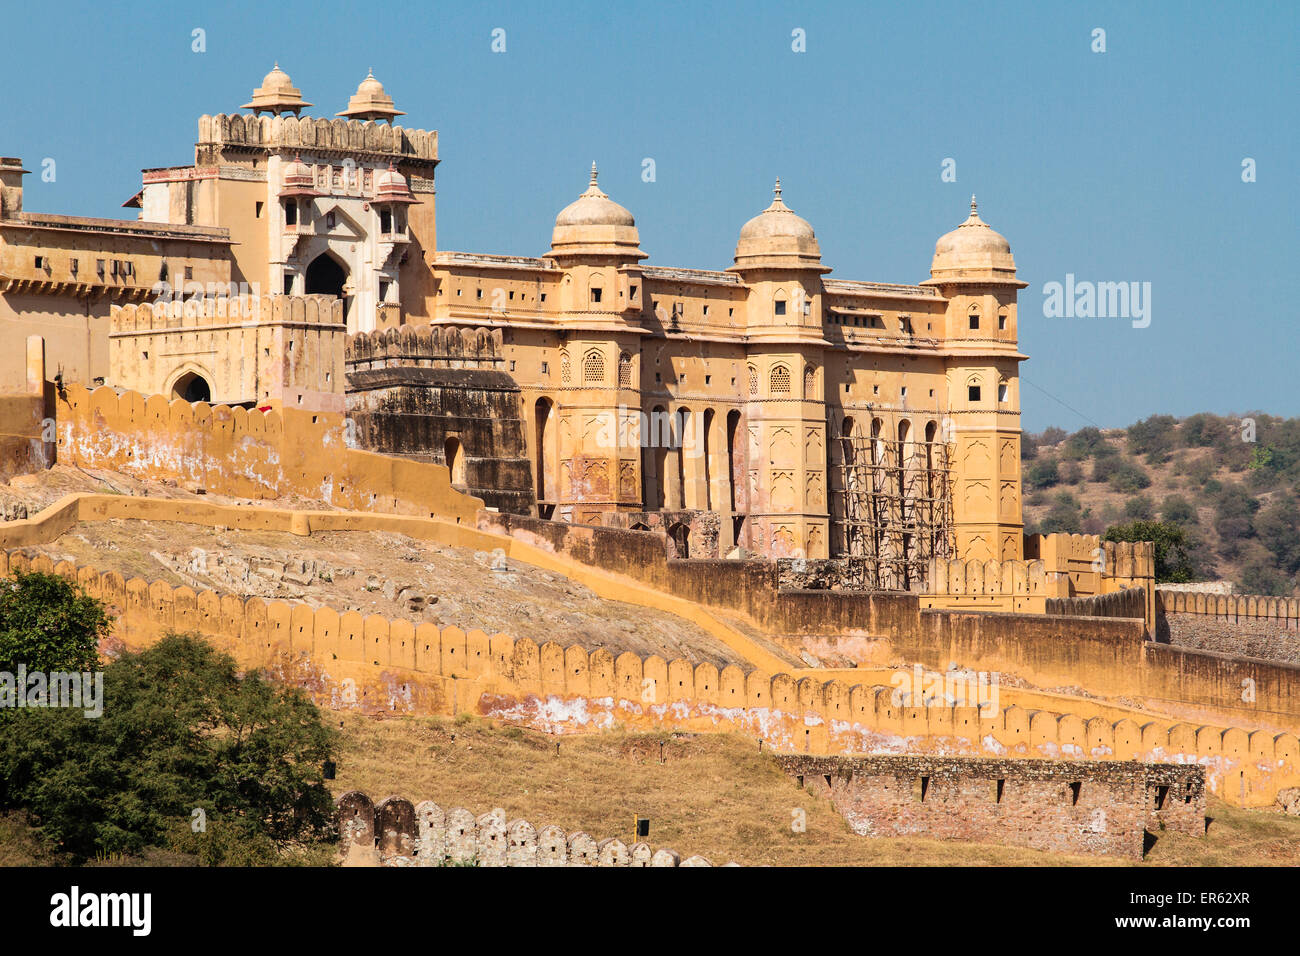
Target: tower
{"points": [[778, 257], [974, 271]]}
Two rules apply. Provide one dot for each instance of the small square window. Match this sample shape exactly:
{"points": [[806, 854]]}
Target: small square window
{"points": [[478, 293], [512, 365], [706, 310], [1002, 322], [974, 321], [189, 272], [40, 262], [595, 295], [546, 367], [780, 306], [257, 210], [1003, 392], [875, 389], [973, 393], [903, 393], [543, 296]]}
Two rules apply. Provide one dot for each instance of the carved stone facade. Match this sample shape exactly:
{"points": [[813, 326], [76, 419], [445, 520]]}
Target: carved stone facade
{"points": [[641, 389]]}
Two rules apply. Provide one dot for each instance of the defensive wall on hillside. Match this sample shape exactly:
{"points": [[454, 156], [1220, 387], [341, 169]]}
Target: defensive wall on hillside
{"points": [[1237, 624], [247, 454], [378, 665], [396, 832], [1106, 656], [1062, 806]]}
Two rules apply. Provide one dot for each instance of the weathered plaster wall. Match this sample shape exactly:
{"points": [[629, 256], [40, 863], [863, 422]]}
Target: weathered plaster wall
{"points": [[247, 454]]}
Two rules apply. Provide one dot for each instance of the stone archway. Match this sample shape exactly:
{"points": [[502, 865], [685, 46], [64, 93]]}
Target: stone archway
{"points": [[192, 387], [326, 275]]}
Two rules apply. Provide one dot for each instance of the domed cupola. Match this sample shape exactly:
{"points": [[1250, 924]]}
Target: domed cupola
{"points": [[594, 224], [778, 238], [370, 102], [390, 187], [297, 179], [276, 95], [973, 249]]}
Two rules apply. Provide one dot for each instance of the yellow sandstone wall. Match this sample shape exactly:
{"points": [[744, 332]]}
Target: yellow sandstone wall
{"points": [[245, 454], [380, 665]]}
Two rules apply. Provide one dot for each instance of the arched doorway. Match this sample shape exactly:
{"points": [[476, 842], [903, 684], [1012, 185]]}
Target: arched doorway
{"points": [[680, 535], [192, 387], [544, 456], [454, 456], [326, 276]]}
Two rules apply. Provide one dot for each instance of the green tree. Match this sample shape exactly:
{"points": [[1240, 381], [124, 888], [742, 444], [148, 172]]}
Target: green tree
{"points": [[47, 623], [1278, 528], [1173, 559], [1178, 510], [1044, 473], [181, 730]]}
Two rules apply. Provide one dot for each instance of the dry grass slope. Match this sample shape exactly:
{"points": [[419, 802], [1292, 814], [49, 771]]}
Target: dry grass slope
{"points": [[713, 794]]}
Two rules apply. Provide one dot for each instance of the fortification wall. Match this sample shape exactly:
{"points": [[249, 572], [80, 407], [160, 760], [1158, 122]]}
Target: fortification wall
{"points": [[1239, 624], [1101, 808], [394, 666], [429, 393], [1130, 603], [396, 832], [247, 454], [277, 350]]}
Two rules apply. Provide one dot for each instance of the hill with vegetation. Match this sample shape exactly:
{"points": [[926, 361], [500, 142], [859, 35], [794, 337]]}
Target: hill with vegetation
{"points": [[1219, 494]]}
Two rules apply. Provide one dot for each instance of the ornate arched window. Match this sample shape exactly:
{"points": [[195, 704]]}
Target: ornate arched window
{"points": [[624, 370], [779, 380], [753, 380], [593, 368], [565, 373], [810, 382]]}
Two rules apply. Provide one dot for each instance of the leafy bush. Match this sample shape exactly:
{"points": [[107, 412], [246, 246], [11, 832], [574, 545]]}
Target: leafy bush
{"points": [[1173, 559], [1178, 510], [1052, 436], [49, 624], [1028, 447], [1154, 437], [181, 730], [1083, 444], [1139, 508], [1278, 528], [1043, 473], [1071, 473], [1064, 517], [1127, 477]]}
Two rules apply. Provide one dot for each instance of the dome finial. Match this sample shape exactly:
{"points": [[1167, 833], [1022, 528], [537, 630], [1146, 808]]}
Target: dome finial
{"points": [[973, 210], [776, 192], [593, 173]]}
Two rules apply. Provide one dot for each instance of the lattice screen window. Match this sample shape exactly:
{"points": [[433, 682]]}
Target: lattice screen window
{"points": [[753, 380], [625, 371], [564, 368], [593, 367], [809, 382], [780, 380]]}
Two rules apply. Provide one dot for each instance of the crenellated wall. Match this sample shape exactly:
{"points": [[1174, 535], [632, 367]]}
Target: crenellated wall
{"points": [[396, 832], [277, 350], [442, 394], [378, 665], [247, 454]]}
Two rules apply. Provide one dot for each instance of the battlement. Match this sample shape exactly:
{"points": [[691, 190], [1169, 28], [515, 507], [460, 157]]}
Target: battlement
{"points": [[396, 832], [292, 132], [1237, 608], [209, 311], [428, 346]]}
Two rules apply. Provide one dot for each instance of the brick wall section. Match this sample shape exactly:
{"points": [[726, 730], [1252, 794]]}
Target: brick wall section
{"points": [[1058, 806]]}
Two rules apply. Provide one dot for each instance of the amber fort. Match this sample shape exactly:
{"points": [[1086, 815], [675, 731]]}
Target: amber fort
{"points": [[822, 474]]}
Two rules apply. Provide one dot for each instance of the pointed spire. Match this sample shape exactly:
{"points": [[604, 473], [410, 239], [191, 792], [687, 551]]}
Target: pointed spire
{"points": [[973, 209], [593, 173], [776, 192]]}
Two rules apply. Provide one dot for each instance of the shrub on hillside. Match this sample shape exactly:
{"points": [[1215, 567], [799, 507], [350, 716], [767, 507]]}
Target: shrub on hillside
{"points": [[47, 623], [1052, 436], [1154, 437], [1140, 508], [1128, 476], [1173, 559], [181, 730], [1178, 510], [1044, 473]]}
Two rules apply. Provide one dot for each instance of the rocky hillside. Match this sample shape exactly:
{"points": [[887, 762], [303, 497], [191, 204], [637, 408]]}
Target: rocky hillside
{"points": [[1225, 489]]}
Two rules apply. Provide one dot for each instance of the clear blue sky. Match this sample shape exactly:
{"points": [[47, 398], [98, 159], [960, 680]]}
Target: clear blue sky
{"points": [[1115, 166]]}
